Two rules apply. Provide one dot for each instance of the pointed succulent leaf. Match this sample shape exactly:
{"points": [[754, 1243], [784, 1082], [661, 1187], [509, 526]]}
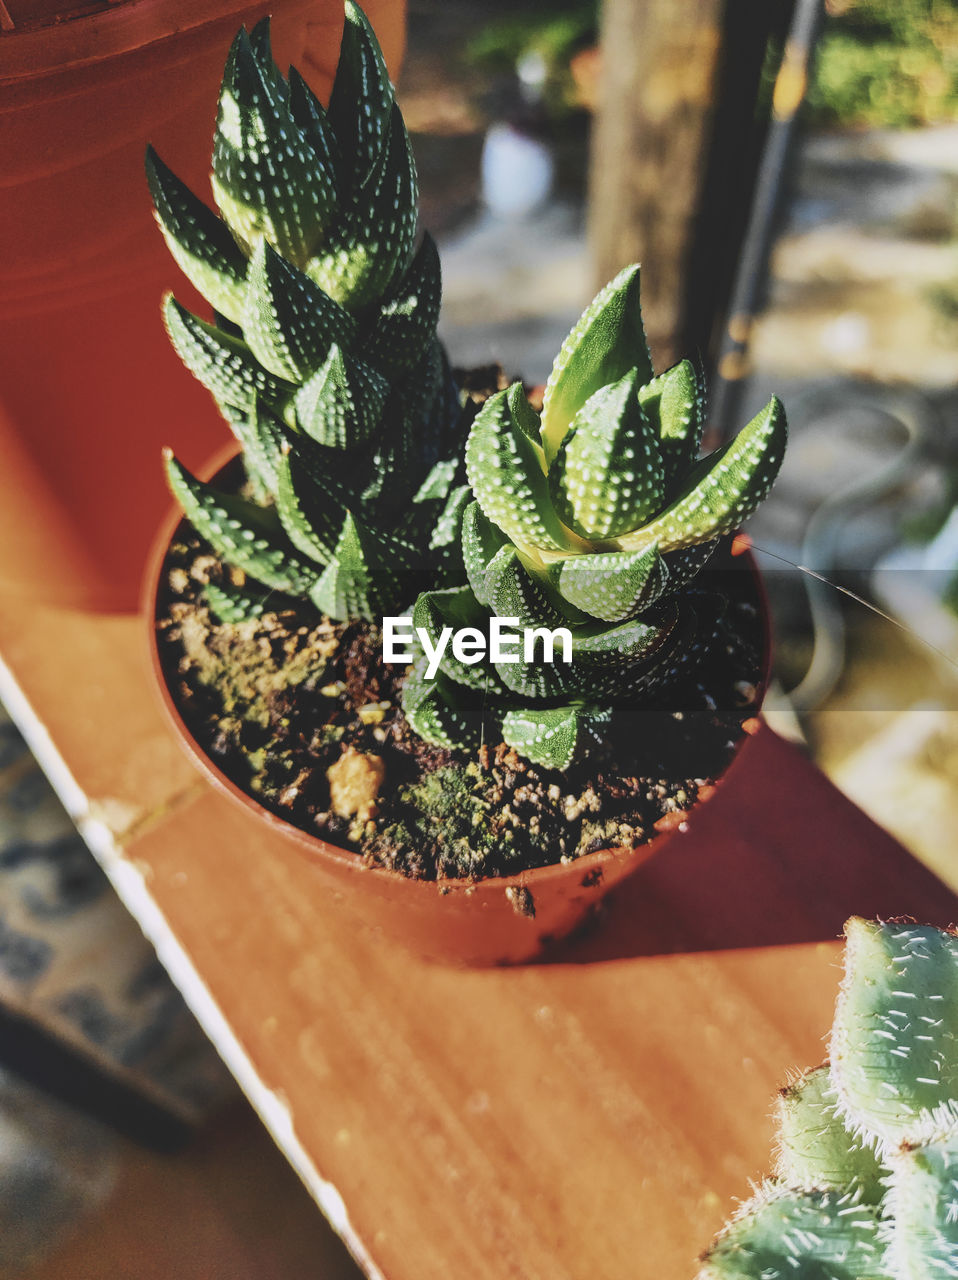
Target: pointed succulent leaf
{"points": [[784, 1234], [351, 584], [605, 344], [362, 98], [612, 585], [199, 241], [405, 320], [312, 531], [448, 524], [516, 593], [242, 533], [481, 539], [674, 405], [455, 608], [434, 711], [233, 604], [341, 405], [265, 178], [922, 1217], [312, 121], [288, 322], [721, 490], [816, 1150], [505, 471], [261, 437], [607, 477], [893, 1050], [224, 364], [686, 564], [551, 737], [372, 239]]}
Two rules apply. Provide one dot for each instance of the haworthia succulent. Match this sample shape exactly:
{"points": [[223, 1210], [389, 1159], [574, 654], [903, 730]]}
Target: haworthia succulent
{"points": [[867, 1174], [323, 354], [596, 517]]}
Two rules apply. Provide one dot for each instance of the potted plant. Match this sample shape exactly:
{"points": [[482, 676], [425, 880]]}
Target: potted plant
{"points": [[864, 1187], [482, 804]]}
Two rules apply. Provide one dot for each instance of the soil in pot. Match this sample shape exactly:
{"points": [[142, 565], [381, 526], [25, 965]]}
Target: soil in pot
{"points": [[302, 714]]}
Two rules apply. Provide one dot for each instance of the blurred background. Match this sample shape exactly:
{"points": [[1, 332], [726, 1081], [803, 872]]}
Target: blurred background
{"points": [[789, 176]]}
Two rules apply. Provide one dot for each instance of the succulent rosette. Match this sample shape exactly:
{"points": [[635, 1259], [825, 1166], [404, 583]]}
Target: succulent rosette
{"points": [[322, 353], [593, 516]]}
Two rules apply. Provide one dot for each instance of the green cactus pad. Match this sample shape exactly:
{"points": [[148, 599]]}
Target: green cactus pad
{"points": [[922, 1227], [199, 241], [505, 472], [894, 1052], [815, 1150], [607, 342], [607, 476], [243, 533], [722, 489], [793, 1235]]}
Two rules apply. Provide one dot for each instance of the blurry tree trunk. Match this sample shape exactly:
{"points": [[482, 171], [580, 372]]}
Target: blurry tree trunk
{"points": [[674, 153]]}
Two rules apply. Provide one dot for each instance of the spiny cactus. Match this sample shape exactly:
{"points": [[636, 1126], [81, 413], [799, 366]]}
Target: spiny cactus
{"points": [[323, 356], [592, 516], [866, 1186]]}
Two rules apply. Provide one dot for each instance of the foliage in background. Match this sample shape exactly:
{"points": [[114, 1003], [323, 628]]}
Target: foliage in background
{"points": [[866, 1184], [888, 63]]}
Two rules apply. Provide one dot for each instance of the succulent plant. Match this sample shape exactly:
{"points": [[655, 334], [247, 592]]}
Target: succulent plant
{"points": [[323, 354], [593, 516], [867, 1181]]}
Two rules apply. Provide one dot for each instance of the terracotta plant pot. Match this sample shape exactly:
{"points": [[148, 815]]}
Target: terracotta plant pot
{"points": [[492, 921], [90, 380]]}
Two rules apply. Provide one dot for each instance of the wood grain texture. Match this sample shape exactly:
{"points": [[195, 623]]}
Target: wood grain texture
{"points": [[593, 1116]]}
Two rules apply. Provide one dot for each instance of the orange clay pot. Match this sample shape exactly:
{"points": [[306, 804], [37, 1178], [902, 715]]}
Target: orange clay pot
{"points": [[87, 376], [465, 922]]}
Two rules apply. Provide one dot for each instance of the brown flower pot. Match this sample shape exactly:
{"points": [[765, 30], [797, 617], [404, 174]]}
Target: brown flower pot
{"points": [[89, 379], [492, 921]]}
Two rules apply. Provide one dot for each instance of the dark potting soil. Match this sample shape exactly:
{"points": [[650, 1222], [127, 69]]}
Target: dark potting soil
{"points": [[302, 714]]}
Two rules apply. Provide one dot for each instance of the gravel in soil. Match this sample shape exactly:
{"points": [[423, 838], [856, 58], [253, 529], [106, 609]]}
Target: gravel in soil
{"points": [[302, 714]]}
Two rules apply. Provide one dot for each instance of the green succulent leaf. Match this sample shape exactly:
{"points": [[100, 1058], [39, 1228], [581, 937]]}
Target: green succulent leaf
{"points": [[551, 737], [612, 585], [405, 322], [445, 531], [242, 533], [361, 102], [815, 1150], [233, 604], [922, 1211], [341, 405], [310, 118], [199, 241], [721, 490], [373, 238], [261, 437], [606, 343], [434, 711], [505, 472], [607, 477], [674, 405], [313, 529], [265, 178], [798, 1235], [481, 539], [351, 585], [515, 593], [224, 364], [288, 322], [456, 608], [894, 1052]]}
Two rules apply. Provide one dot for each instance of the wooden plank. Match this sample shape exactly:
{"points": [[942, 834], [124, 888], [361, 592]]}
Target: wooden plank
{"points": [[591, 1116]]}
